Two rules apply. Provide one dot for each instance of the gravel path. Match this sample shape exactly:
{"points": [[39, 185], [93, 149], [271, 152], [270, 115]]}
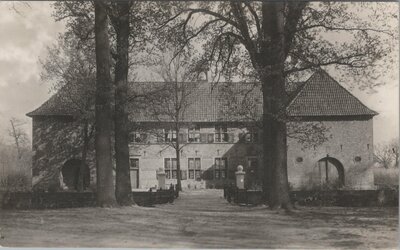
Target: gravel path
{"points": [[202, 219]]}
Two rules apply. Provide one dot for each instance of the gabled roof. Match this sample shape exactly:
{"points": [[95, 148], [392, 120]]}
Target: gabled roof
{"points": [[62, 103], [321, 95], [208, 103]]}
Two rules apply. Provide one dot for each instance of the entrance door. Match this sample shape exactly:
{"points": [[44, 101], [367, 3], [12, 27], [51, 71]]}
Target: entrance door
{"points": [[134, 162]]}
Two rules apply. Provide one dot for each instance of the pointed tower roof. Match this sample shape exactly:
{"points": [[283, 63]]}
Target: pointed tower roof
{"points": [[321, 95]]}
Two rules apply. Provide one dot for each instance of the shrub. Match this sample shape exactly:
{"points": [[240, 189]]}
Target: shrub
{"points": [[15, 182], [386, 177]]}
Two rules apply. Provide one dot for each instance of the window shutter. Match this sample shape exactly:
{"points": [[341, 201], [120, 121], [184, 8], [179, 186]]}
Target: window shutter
{"points": [[210, 138], [203, 138], [182, 138], [197, 163], [183, 174]]}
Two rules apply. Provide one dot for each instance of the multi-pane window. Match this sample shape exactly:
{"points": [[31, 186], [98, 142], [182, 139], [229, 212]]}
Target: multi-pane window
{"points": [[194, 134], [169, 135], [221, 168], [194, 165], [170, 168], [134, 163], [137, 137], [251, 136], [221, 133]]}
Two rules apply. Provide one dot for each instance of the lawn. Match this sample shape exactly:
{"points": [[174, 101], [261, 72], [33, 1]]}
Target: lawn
{"points": [[202, 219]]}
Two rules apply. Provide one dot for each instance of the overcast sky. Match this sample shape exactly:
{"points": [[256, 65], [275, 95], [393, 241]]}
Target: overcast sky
{"points": [[24, 37]]}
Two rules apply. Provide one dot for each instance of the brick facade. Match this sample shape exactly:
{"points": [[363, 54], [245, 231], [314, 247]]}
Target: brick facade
{"points": [[349, 140], [343, 161], [56, 140]]}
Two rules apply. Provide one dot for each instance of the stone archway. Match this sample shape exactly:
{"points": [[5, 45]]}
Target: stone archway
{"points": [[330, 172], [70, 173]]}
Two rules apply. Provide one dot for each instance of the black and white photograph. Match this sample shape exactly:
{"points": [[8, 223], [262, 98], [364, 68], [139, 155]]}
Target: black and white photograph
{"points": [[199, 124]]}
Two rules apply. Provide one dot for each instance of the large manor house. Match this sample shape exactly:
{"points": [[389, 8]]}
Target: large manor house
{"points": [[214, 146]]}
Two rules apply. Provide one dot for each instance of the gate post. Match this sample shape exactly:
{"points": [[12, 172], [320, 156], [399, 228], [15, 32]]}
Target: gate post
{"points": [[240, 177], [161, 178]]}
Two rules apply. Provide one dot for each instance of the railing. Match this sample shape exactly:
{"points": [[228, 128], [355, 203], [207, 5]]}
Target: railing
{"points": [[342, 198], [243, 196], [51, 200]]}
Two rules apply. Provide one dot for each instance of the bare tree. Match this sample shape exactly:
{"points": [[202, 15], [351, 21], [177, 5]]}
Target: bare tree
{"points": [[72, 74], [243, 102], [128, 36], [271, 42], [18, 134], [177, 92], [387, 155]]}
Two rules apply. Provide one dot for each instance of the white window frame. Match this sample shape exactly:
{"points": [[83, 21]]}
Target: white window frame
{"points": [[137, 136], [222, 132], [169, 172], [195, 169], [169, 135], [194, 134], [219, 170]]}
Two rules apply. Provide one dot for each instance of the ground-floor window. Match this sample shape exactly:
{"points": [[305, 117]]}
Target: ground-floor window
{"points": [[170, 168], [194, 165], [221, 167]]}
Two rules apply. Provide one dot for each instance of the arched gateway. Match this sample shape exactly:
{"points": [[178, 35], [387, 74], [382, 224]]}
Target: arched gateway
{"points": [[70, 173], [330, 172]]}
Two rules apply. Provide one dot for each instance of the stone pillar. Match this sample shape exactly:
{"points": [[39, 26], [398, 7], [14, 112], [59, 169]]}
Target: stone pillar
{"points": [[240, 177], [161, 178]]}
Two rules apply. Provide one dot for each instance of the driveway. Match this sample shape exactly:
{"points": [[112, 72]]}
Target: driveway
{"points": [[202, 219]]}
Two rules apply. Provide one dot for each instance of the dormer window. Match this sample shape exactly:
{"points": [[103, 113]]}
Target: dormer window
{"points": [[221, 133], [251, 136], [194, 134], [169, 135], [137, 137]]}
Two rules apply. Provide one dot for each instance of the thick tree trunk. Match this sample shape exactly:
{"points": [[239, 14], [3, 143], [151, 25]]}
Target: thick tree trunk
{"points": [[271, 68], [123, 187], [103, 112], [275, 145], [178, 162]]}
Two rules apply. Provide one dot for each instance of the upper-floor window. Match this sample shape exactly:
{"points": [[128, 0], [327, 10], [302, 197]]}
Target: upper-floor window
{"points": [[221, 133], [137, 137], [134, 163], [169, 135], [251, 136], [194, 134]]}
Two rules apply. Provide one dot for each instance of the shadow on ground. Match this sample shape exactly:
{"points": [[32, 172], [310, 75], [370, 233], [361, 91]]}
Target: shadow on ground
{"points": [[201, 219]]}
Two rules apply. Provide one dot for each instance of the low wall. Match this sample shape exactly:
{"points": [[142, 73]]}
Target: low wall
{"points": [[347, 198], [41, 200], [342, 198]]}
